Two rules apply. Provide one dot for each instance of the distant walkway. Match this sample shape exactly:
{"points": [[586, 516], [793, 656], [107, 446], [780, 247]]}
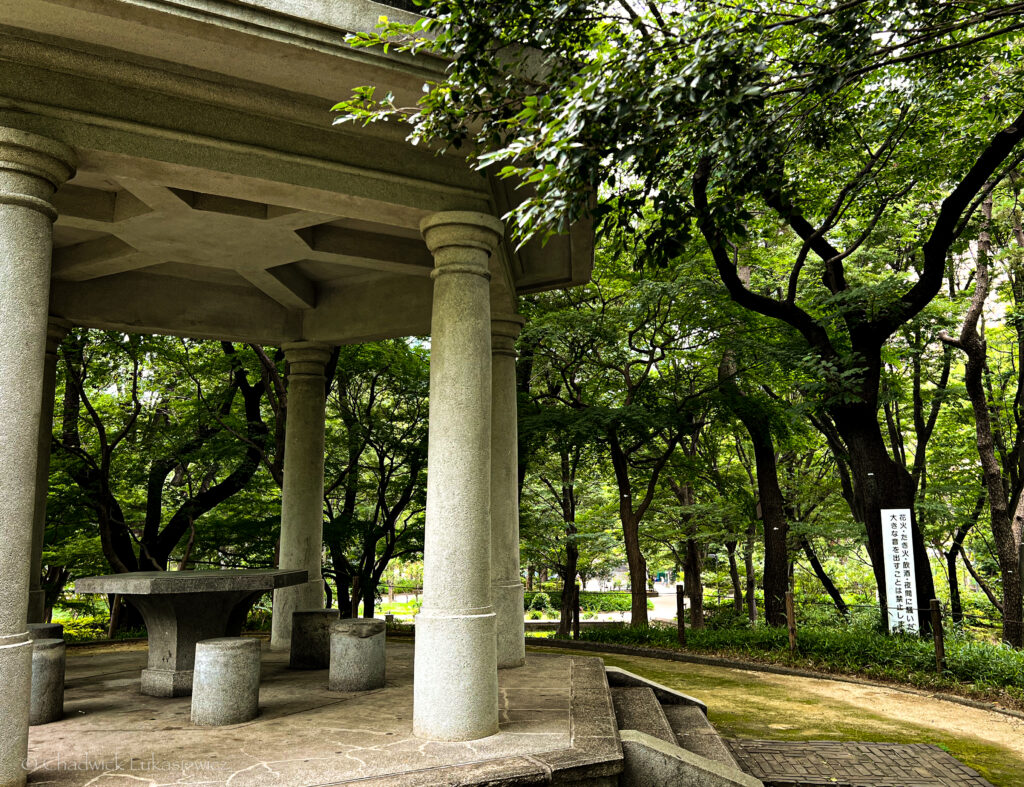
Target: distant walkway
{"points": [[811, 763]]}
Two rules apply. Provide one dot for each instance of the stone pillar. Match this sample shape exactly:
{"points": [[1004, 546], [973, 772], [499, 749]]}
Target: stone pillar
{"points": [[31, 167], [455, 686], [506, 586], [56, 330], [302, 495]]}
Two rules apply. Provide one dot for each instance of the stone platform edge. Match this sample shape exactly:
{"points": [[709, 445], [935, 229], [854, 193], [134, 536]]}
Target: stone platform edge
{"points": [[594, 757]]}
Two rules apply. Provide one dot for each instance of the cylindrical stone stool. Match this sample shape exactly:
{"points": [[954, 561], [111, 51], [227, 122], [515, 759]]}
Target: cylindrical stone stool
{"points": [[226, 681], [48, 656], [357, 655], [45, 631], [311, 638]]}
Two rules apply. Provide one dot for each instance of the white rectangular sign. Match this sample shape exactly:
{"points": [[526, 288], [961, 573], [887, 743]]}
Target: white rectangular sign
{"points": [[899, 570]]}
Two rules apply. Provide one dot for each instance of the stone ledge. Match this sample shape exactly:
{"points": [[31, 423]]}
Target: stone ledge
{"points": [[204, 581], [504, 772], [595, 754]]}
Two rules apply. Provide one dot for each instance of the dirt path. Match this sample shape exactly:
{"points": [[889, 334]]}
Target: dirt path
{"points": [[748, 704]]}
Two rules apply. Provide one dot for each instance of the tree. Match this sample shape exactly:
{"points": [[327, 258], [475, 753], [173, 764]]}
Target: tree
{"points": [[375, 465], [1002, 482], [128, 426], [620, 355], [761, 122], [565, 487]]}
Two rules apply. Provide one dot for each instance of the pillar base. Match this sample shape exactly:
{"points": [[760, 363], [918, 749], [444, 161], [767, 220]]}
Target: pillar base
{"points": [[455, 683], [508, 607], [309, 595], [167, 682], [16, 678], [37, 606]]}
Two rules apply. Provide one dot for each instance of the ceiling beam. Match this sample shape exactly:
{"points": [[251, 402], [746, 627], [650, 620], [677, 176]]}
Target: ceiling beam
{"points": [[95, 258], [286, 284], [362, 249]]}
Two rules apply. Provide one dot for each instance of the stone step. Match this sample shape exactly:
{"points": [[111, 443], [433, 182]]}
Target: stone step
{"points": [[637, 708], [694, 733], [665, 695], [650, 762]]}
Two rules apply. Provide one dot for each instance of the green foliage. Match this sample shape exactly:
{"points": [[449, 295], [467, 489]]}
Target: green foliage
{"points": [[90, 628], [540, 602], [590, 601], [86, 628], [375, 467]]}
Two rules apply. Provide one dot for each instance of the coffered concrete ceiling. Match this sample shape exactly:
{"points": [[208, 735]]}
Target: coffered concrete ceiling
{"points": [[215, 199]]}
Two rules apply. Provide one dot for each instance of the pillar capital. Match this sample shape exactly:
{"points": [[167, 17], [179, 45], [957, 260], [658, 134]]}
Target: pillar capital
{"points": [[461, 241], [43, 164], [505, 329], [306, 358]]}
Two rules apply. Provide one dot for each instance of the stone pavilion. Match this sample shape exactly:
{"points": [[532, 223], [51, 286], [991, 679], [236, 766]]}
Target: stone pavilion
{"points": [[169, 166]]}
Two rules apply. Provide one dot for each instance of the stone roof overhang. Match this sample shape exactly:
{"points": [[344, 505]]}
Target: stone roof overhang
{"points": [[215, 199]]}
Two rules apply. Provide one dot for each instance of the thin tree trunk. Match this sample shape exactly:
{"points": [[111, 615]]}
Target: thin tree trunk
{"points": [[955, 604], [773, 515], [692, 583], [734, 574], [1006, 523], [824, 578], [990, 594], [748, 566]]}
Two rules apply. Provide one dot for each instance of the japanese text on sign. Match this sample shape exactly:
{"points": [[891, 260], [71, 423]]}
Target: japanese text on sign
{"points": [[899, 570]]}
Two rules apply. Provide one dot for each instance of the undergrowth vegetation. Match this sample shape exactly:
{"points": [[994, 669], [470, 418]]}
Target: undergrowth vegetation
{"points": [[589, 601]]}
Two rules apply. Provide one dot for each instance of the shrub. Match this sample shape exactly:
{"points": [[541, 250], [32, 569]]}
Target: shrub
{"points": [[725, 616], [540, 602], [590, 601], [86, 628], [259, 619]]}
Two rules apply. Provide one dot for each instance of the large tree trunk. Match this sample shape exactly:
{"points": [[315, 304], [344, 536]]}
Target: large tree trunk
{"points": [[631, 512], [637, 571], [569, 460], [776, 528], [880, 482]]}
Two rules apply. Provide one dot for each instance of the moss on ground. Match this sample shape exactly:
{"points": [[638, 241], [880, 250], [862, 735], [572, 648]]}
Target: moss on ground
{"points": [[758, 705]]}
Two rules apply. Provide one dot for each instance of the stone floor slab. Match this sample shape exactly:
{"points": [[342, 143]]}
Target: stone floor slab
{"points": [[306, 735], [840, 764]]}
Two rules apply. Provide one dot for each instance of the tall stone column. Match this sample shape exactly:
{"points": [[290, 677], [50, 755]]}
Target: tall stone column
{"points": [[506, 586], [31, 168], [455, 686], [302, 495], [56, 330]]}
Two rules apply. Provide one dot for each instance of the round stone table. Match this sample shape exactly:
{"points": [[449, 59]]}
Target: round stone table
{"points": [[183, 607]]}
